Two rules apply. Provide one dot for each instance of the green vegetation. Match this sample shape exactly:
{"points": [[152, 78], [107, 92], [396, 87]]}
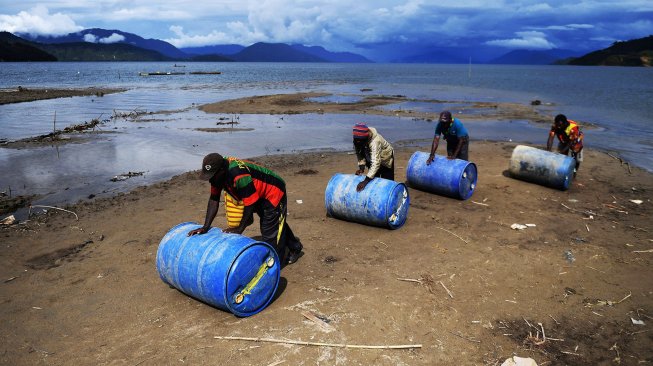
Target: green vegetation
{"points": [[15, 49], [82, 51], [637, 52]]}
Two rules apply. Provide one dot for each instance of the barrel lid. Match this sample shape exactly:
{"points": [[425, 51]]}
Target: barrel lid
{"points": [[398, 204], [252, 279], [468, 180]]}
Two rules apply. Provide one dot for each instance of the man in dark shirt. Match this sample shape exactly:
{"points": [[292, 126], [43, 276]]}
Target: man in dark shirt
{"points": [[261, 190], [456, 135]]}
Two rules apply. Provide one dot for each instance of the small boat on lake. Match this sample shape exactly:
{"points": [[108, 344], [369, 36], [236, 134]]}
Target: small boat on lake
{"points": [[205, 72], [159, 73]]}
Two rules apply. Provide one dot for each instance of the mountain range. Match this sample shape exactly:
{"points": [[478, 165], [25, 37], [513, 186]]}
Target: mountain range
{"points": [[97, 44]]}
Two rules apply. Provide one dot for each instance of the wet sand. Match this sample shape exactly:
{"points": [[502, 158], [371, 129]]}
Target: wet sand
{"points": [[22, 94], [455, 279]]}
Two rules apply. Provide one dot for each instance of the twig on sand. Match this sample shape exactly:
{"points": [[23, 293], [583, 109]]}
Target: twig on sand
{"points": [[454, 234], [571, 353], [319, 322], [446, 289], [622, 162], [638, 228], [643, 251], [277, 363], [410, 280], [466, 338], [588, 212], [622, 300], [318, 344], [479, 203], [598, 270], [56, 208]]}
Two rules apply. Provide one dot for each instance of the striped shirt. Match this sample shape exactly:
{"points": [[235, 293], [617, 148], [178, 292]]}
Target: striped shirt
{"points": [[249, 182]]}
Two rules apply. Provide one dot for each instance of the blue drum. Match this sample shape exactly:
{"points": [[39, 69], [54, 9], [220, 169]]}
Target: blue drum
{"points": [[382, 203], [229, 271]]}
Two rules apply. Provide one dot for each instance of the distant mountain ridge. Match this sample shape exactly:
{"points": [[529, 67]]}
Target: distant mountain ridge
{"points": [[99, 35], [223, 50], [258, 52], [96, 44], [533, 57], [274, 52], [329, 56]]}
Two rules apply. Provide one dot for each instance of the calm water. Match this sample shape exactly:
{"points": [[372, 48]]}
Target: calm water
{"points": [[617, 100]]}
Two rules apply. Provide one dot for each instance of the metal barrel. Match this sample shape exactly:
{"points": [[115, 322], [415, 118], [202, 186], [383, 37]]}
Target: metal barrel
{"points": [[229, 271], [382, 203], [453, 178], [542, 167]]}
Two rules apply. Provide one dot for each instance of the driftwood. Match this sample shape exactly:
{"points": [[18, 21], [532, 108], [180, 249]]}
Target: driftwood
{"points": [[318, 344], [56, 208]]}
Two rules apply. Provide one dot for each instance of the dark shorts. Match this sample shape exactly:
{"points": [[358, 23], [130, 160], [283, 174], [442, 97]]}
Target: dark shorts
{"points": [[275, 229], [463, 154]]}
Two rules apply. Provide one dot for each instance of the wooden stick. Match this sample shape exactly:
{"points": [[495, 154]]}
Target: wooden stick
{"points": [[446, 289], [571, 353], [543, 335], [583, 212], [56, 208], [466, 242], [614, 157], [409, 280], [643, 251], [622, 300], [465, 338], [479, 203], [318, 344]]}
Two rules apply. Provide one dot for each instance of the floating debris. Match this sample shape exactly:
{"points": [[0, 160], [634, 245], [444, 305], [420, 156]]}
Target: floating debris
{"points": [[126, 176]]}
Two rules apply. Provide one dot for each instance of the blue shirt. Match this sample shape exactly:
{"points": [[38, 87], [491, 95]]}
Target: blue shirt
{"points": [[456, 129]]}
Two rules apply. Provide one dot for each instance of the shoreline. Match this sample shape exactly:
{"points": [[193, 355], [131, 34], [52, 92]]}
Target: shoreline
{"points": [[295, 103]]}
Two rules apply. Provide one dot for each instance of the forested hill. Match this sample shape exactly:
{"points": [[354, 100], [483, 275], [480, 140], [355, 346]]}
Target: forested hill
{"points": [[13, 49], [636, 52]]}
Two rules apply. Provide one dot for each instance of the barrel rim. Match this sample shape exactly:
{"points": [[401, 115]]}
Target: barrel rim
{"points": [[475, 182], [277, 267], [407, 203]]}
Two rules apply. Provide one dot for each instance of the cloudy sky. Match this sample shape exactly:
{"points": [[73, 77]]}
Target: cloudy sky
{"points": [[346, 25]]}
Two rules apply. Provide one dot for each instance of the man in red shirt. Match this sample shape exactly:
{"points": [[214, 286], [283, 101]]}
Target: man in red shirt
{"points": [[570, 139], [261, 190]]}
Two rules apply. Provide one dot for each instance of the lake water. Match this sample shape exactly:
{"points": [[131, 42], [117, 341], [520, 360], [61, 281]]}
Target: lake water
{"points": [[617, 100]]}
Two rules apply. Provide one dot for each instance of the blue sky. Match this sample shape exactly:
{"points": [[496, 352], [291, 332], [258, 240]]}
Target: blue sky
{"points": [[345, 25]]}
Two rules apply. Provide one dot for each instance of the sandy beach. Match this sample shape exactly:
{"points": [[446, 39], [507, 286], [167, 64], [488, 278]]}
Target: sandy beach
{"points": [[81, 287]]}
